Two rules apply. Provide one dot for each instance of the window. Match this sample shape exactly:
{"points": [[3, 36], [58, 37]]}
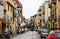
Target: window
{"points": [[11, 9], [13, 14], [11, 18], [20, 11], [8, 6], [39, 14], [57, 34], [40, 21]]}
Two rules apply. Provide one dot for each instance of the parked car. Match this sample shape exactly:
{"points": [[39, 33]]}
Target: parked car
{"points": [[55, 34], [39, 30], [44, 33], [23, 30], [20, 31], [26, 29]]}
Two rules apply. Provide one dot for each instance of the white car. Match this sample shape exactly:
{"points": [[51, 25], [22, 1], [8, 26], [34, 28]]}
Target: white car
{"points": [[23, 30], [26, 29], [20, 31]]}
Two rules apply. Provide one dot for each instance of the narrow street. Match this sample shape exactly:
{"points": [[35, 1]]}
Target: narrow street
{"points": [[28, 35], [29, 19]]}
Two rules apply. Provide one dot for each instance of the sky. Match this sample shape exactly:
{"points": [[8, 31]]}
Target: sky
{"points": [[30, 7]]}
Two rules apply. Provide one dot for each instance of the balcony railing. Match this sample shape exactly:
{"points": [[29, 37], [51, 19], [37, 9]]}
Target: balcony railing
{"points": [[50, 18], [15, 13]]}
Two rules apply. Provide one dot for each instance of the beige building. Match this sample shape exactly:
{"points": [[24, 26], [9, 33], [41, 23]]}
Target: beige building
{"points": [[41, 15], [47, 12], [36, 21], [44, 11], [2, 27], [55, 12]]}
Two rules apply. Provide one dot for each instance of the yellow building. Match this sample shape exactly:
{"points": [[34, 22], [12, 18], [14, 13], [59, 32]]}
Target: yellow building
{"points": [[44, 10], [9, 8], [47, 12], [35, 21], [42, 17]]}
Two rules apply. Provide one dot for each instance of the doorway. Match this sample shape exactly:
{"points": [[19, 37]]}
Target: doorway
{"points": [[3, 26]]}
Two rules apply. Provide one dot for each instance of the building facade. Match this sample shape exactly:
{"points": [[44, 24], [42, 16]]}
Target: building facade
{"points": [[2, 27], [55, 13]]}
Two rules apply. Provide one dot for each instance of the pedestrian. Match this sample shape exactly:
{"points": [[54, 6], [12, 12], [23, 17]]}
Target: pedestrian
{"points": [[7, 33]]}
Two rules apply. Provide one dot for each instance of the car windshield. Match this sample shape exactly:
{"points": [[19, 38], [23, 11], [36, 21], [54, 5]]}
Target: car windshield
{"points": [[44, 30], [57, 34]]}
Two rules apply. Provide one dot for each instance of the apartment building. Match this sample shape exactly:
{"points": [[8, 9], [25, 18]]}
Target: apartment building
{"points": [[9, 7], [2, 27], [55, 13]]}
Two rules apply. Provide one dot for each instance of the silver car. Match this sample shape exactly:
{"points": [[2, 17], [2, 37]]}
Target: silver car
{"points": [[44, 32]]}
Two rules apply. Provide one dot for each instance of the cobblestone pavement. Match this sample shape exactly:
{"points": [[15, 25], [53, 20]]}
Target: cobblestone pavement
{"points": [[28, 35]]}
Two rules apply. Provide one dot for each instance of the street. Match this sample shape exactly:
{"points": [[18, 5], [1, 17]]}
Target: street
{"points": [[29, 19], [28, 35]]}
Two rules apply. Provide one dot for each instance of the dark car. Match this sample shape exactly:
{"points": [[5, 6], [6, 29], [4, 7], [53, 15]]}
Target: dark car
{"points": [[44, 33], [39, 30]]}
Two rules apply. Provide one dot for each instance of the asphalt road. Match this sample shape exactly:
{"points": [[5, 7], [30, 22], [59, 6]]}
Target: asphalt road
{"points": [[27, 35]]}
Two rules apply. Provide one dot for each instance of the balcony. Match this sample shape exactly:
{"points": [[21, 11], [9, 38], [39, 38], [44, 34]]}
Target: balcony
{"points": [[52, 18], [16, 13]]}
